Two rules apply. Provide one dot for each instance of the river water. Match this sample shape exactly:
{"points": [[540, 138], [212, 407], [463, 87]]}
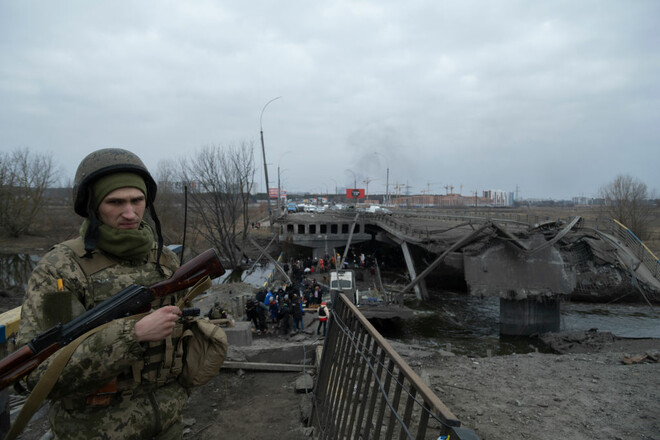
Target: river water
{"points": [[462, 323], [470, 325]]}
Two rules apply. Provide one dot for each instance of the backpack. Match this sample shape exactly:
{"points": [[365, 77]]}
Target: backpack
{"points": [[321, 311], [205, 348]]}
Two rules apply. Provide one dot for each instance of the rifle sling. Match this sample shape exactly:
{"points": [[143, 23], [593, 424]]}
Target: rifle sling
{"points": [[199, 287], [52, 373], [46, 383]]}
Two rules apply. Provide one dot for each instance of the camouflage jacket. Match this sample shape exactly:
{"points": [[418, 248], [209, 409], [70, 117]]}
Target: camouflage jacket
{"points": [[108, 353]]}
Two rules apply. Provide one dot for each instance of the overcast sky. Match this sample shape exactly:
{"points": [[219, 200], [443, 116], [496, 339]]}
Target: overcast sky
{"points": [[552, 98]]}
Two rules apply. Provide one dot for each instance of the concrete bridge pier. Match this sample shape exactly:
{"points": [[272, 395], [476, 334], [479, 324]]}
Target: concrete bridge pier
{"points": [[530, 284], [527, 316]]}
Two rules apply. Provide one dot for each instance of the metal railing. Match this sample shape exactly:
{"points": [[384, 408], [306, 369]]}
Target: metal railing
{"points": [[612, 226], [637, 247], [365, 390]]}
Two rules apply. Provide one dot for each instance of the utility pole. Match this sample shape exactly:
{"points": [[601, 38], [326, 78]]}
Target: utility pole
{"points": [[387, 187], [279, 190], [366, 181], [263, 151]]}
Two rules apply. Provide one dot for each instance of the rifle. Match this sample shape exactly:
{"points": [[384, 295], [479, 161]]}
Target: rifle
{"points": [[129, 301]]}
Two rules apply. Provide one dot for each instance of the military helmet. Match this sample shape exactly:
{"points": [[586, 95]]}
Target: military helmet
{"points": [[103, 162]]}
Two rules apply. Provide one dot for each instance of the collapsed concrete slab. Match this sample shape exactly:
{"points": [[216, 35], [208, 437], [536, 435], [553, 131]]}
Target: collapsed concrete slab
{"points": [[501, 270], [529, 285]]}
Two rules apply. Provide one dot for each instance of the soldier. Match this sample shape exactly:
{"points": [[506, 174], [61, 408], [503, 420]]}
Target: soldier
{"points": [[120, 382], [217, 312]]}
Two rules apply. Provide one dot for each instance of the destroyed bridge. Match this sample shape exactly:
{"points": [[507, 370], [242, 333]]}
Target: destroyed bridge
{"points": [[529, 265]]}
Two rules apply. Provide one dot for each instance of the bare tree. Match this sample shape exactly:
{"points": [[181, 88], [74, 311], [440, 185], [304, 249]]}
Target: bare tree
{"points": [[169, 201], [627, 200], [24, 178], [220, 180]]}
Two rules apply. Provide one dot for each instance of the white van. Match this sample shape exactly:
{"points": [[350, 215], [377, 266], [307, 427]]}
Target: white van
{"points": [[375, 209], [342, 281]]}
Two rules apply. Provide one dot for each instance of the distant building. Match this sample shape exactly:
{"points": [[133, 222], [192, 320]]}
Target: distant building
{"points": [[588, 201], [499, 197]]}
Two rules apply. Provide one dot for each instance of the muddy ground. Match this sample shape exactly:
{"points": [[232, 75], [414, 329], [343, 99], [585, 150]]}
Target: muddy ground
{"points": [[585, 392], [586, 395]]}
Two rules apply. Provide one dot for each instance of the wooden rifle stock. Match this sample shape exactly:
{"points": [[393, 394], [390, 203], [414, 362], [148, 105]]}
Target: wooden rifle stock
{"points": [[129, 301], [206, 263]]}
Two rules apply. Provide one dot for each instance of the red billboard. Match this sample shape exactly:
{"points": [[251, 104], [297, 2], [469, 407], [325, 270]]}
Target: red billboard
{"points": [[354, 193]]}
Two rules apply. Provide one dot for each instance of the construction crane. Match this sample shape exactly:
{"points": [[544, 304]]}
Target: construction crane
{"points": [[398, 187], [428, 186], [366, 181]]}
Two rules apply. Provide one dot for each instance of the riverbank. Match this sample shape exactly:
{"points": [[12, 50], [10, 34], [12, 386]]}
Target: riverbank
{"points": [[591, 385]]}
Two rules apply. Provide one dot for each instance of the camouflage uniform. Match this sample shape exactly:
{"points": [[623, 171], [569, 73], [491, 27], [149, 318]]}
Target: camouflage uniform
{"points": [[144, 406], [217, 312]]}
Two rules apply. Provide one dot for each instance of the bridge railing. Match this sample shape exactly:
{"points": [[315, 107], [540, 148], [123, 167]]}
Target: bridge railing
{"points": [[425, 232], [502, 217], [365, 390], [639, 249], [643, 253]]}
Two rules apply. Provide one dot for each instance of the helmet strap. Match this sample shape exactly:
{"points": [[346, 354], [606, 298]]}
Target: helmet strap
{"points": [[92, 233], [159, 235]]}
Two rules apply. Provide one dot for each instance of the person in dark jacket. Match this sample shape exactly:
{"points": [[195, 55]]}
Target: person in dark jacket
{"points": [[251, 313], [284, 314], [262, 310], [297, 313]]}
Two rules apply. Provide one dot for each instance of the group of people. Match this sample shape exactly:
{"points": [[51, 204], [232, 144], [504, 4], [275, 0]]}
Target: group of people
{"points": [[304, 266], [285, 309]]}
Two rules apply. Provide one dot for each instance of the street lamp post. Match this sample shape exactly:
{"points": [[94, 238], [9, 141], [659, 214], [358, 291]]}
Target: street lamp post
{"points": [[354, 182], [279, 187], [387, 181], [367, 181], [279, 195], [335, 185], [263, 151], [279, 190], [354, 178]]}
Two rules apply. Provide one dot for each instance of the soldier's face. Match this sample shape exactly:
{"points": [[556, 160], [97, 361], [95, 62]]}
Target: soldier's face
{"points": [[122, 208]]}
